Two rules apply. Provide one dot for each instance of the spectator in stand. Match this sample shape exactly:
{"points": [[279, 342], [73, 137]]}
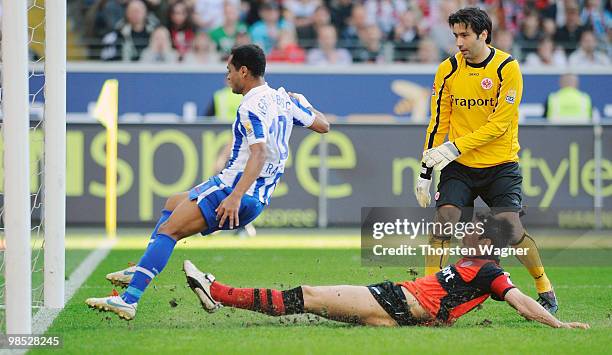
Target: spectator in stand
{"points": [[504, 41], [549, 27], [327, 53], [593, 17], [208, 14], [555, 10], [287, 49], [568, 35], [405, 36], [160, 48], [529, 36], [302, 11], [428, 52], [203, 51], [131, 35], [370, 47], [384, 13], [439, 31], [224, 36], [307, 35], [251, 9], [242, 37], [340, 13], [546, 55], [157, 8], [587, 54], [181, 26], [356, 23], [100, 19], [265, 31]]}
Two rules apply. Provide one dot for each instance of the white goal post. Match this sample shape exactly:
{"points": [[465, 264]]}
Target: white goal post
{"points": [[54, 218], [15, 129]]}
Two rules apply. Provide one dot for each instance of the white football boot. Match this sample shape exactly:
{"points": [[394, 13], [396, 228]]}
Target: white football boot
{"points": [[114, 304], [199, 283], [122, 278]]}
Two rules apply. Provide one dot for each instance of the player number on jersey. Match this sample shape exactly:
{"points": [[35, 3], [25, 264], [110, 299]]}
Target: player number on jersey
{"points": [[279, 132]]}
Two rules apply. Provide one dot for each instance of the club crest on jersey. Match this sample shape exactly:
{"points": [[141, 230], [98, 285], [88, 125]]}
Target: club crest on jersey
{"points": [[248, 127], [486, 83], [511, 96], [466, 264]]}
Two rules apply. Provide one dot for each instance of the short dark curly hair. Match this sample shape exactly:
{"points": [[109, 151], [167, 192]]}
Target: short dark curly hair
{"points": [[250, 56], [475, 18], [498, 230]]}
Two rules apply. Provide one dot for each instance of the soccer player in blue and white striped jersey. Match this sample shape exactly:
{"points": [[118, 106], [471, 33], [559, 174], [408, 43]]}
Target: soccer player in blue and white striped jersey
{"points": [[241, 191]]}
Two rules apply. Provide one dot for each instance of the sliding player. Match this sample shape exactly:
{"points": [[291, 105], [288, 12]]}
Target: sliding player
{"points": [[437, 299], [240, 192]]}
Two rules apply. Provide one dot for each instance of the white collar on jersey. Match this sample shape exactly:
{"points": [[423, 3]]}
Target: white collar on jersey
{"points": [[255, 91]]}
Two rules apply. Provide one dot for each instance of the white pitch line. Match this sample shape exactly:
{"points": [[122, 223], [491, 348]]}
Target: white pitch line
{"points": [[43, 319]]}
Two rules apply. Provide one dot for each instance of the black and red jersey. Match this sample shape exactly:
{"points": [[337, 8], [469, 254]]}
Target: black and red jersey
{"points": [[457, 289]]}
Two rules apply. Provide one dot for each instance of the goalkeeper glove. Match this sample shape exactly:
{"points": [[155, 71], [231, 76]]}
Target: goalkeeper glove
{"points": [[422, 192], [441, 156], [422, 186]]}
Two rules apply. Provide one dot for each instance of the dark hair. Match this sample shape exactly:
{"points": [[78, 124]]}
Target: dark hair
{"points": [[474, 18], [498, 230], [188, 25], [250, 56]]}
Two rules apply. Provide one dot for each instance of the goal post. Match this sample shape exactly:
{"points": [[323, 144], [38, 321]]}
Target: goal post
{"points": [[15, 105], [54, 208], [20, 293]]}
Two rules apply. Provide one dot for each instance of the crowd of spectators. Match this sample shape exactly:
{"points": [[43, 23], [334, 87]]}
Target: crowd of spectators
{"points": [[538, 32]]}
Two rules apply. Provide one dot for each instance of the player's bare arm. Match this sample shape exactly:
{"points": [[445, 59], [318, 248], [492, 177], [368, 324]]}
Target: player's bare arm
{"points": [[532, 310], [320, 123], [229, 207]]}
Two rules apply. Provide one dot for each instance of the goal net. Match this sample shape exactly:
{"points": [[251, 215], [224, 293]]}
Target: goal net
{"points": [[32, 156]]}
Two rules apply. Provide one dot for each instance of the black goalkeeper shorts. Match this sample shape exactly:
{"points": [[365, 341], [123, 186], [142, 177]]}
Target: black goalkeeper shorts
{"points": [[391, 298], [499, 186]]}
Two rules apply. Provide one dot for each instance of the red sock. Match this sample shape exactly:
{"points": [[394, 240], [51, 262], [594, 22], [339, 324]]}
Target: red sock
{"points": [[263, 300]]}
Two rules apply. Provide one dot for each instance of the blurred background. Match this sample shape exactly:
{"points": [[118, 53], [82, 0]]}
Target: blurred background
{"points": [[540, 33], [368, 65]]}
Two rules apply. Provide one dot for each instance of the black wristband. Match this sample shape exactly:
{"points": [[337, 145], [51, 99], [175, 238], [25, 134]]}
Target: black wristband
{"points": [[425, 172]]}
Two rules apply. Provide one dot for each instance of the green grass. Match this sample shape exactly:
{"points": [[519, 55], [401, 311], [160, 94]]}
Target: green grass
{"points": [[585, 294], [73, 258]]}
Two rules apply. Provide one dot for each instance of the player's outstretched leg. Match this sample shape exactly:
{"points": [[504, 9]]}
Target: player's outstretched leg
{"points": [[200, 283], [350, 304], [184, 221], [123, 277]]}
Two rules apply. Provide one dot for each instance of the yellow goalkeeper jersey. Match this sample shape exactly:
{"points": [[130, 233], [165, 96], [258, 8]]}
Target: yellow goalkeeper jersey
{"points": [[477, 106]]}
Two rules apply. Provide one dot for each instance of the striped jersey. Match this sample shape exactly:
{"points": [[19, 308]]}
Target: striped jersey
{"points": [[265, 115], [459, 288]]}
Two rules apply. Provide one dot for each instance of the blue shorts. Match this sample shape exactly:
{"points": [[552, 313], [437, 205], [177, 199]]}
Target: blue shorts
{"points": [[209, 195]]}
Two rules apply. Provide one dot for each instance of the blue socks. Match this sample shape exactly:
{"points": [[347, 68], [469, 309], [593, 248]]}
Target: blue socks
{"points": [[165, 214], [152, 262]]}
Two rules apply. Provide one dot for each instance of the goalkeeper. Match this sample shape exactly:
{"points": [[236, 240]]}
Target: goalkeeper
{"points": [[438, 299], [475, 100]]}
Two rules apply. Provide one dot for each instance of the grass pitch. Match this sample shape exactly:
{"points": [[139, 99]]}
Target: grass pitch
{"points": [[169, 318]]}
